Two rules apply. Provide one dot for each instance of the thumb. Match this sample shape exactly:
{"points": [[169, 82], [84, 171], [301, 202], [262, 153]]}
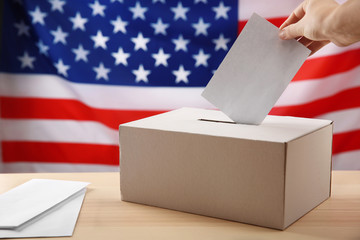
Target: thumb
{"points": [[291, 31]]}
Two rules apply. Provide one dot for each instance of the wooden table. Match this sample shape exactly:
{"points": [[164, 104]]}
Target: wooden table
{"points": [[104, 216]]}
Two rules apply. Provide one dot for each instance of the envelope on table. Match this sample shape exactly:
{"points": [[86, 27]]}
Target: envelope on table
{"points": [[41, 208]]}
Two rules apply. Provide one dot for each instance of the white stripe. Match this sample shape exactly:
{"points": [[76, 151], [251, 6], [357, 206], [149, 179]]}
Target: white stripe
{"points": [[347, 161], [345, 120], [332, 49], [266, 8], [148, 98], [36, 85], [24, 167], [100, 96], [96, 133], [57, 131], [301, 92]]}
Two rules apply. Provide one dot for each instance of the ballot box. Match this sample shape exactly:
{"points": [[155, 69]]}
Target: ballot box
{"points": [[199, 161]]}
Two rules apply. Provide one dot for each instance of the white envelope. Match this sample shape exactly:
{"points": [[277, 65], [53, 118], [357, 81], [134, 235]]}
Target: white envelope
{"points": [[255, 72], [41, 208]]}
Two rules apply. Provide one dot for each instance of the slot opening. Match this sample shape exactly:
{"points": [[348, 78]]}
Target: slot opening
{"points": [[216, 121]]}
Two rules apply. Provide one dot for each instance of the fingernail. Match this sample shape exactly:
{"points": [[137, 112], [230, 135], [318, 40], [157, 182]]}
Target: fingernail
{"points": [[282, 34]]}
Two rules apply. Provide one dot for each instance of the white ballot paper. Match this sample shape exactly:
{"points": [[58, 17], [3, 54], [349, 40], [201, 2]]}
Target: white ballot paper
{"points": [[255, 72], [41, 208]]}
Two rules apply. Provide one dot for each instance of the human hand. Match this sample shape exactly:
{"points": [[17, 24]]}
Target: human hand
{"points": [[308, 23]]}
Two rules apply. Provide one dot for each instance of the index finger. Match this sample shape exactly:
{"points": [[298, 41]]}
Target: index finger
{"points": [[295, 16]]}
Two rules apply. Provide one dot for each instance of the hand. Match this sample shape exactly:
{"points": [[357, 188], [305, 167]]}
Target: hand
{"points": [[315, 23]]}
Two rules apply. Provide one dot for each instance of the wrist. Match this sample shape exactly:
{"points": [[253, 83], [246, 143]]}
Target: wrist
{"points": [[342, 25], [331, 24]]}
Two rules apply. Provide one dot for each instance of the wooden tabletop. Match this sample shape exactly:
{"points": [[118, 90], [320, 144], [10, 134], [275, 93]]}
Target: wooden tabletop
{"points": [[104, 216]]}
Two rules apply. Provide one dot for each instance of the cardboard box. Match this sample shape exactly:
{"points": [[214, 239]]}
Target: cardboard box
{"points": [[268, 175]]}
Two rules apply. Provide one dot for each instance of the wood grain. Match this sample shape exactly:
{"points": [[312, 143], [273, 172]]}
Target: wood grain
{"points": [[105, 216]]}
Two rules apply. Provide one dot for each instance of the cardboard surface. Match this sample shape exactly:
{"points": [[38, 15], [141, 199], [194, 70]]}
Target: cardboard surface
{"points": [[273, 128], [255, 72], [238, 172], [310, 164]]}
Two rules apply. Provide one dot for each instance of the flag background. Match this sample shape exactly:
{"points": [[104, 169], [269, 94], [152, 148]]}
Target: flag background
{"points": [[72, 71]]}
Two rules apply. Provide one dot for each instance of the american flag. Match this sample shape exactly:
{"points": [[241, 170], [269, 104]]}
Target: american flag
{"points": [[72, 71]]}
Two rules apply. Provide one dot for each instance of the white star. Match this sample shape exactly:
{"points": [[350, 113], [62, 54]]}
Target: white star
{"points": [[27, 61], [180, 11], [155, 1], [161, 58], [221, 11], [141, 74], [102, 72], [62, 68], [138, 11], [201, 58], [42, 48], [181, 75], [203, 1], [160, 27], [120, 1], [119, 25], [140, 42], [22, 28], [121, 57], [100, 40], [38, 16], [57, 5], [78, 22], [97, 8], [201, 27], [81, 53], [59, 35], [221, 42], [180, 43]]}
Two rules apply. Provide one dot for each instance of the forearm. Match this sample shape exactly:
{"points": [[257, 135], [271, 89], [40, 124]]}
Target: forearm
{"points": [[343, 24]]}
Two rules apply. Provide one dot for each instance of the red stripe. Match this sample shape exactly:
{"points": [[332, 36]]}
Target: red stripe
{"points": [[109, 155], [326, 66], [276, 21], [41, 108], [343, 100], [348, 141], [59, 153]]}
